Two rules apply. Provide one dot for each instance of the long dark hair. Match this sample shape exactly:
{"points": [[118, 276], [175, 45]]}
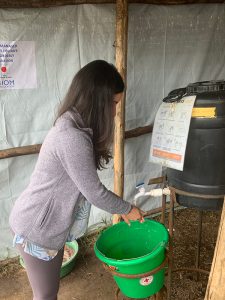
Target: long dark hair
{"points": [[91, 93]]}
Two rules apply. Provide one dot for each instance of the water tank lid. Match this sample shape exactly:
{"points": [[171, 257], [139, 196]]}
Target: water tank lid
{"points": [[206, 86], [195, 88]]}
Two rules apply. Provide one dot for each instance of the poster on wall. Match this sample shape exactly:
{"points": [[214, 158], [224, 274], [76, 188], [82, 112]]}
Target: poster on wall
{"points": [[17, 65], [170, 133]]}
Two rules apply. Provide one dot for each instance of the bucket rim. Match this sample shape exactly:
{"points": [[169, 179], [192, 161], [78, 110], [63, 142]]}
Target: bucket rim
{"points": [[136, 260]]}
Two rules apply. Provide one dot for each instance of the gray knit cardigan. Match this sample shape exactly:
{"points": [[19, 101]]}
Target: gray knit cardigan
{"points": [[65, 171]]}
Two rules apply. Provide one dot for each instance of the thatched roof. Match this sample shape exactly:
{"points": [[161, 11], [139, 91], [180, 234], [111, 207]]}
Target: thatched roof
{"points": [[52, 3]]}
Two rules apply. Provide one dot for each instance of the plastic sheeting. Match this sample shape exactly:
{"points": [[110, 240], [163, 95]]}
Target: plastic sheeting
{"points": [[168, 47]]}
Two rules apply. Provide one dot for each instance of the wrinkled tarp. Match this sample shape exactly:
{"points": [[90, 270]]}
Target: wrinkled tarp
{"points": [[168, 47]]}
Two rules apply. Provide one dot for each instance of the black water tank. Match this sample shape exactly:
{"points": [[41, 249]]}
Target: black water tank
{"points": [[204, 165]]}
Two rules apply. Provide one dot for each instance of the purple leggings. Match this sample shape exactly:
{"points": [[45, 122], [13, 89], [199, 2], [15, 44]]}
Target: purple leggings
{"points": [[43, 275]]}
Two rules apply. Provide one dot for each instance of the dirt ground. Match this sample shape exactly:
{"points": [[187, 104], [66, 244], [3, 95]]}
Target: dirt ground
{"points": [[89, 281]]}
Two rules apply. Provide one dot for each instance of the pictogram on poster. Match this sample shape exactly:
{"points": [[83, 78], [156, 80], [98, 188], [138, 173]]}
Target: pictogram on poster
{"points": [[170, 133], [17, 65]]}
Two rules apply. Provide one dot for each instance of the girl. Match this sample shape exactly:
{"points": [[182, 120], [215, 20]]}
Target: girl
{"points": [[55, 206]]}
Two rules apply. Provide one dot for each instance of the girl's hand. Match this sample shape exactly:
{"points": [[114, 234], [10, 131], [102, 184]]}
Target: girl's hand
{"points": [[134, 214]]}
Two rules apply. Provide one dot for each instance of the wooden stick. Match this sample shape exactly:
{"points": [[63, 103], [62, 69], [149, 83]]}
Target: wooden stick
{"points": [[121, 64], [161, 295], [32, 149], [216, 287], [156, 180], [138, 131], [18, 151], [53, 3]]}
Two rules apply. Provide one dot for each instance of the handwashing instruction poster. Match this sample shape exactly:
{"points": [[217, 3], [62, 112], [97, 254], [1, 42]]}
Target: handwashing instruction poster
{"points": [[170, 133], [17, 65]]}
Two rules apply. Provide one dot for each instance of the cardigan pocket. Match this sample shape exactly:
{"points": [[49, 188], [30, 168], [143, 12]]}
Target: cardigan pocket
{"points": [[45, 214]]}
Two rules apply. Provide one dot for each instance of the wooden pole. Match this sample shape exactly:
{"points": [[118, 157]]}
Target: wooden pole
{"points": [[18, 151], [138, 131], [53, 3], [216, 284], [32, 149], [121, 65]]}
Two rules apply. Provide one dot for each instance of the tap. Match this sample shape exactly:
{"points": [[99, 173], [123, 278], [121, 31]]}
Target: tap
{"points": [[140, 187], [153, 193]]}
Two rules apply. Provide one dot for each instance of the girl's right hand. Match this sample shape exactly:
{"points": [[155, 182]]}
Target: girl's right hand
{"points": [[134, 214]]}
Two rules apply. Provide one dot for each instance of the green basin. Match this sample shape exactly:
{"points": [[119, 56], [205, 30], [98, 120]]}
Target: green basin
{"points": [[68, 265]]}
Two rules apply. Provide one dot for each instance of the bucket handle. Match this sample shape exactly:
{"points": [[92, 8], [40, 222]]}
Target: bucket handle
{"points": [[162, 244], [133, 276]]}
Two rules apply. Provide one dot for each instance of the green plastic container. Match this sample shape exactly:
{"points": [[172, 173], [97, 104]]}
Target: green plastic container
{"points": [[135, 249], [68, 265]]}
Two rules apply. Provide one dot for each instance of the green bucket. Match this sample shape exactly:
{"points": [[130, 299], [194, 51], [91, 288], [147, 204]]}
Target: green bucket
{"points": [[68, 265], [134, 249]]}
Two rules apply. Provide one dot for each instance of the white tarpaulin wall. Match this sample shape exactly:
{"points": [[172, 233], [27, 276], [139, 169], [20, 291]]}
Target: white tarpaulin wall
{"points": [[168, 47]]}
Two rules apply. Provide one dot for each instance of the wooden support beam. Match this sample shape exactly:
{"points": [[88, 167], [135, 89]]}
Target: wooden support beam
{"points": [[18, 151], [138, 131], [32, 149], [216, 283], [54, 3], [121, 65], [157, 180]]}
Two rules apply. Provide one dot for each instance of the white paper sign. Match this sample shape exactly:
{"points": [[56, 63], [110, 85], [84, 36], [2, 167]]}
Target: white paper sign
{"points": [[17, 65], [170, 133]]}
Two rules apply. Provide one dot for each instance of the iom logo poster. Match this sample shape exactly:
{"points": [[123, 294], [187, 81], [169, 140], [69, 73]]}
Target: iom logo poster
{"points": [[17, 65]]}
